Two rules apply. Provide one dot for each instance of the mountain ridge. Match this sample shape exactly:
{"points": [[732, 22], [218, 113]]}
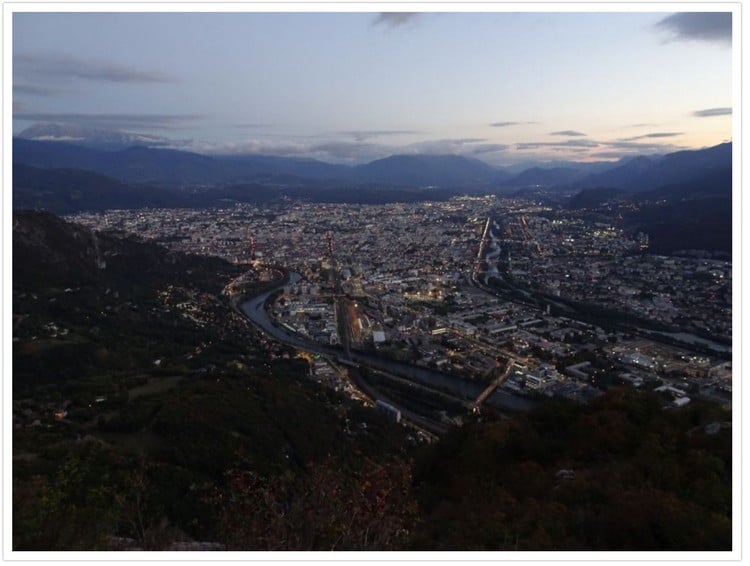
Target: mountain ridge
{"points": [[173, 167]]}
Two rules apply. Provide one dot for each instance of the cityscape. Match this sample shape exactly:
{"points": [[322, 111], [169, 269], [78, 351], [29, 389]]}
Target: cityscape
{"points": [[417, 278], [379, 282]]}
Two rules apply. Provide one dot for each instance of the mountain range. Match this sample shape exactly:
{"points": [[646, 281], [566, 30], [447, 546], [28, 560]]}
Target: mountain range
{"points": [[140, 164], [645, 173], [683, 200], [132, 158]]}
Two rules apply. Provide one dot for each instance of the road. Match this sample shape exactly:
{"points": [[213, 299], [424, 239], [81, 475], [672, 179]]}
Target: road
{"points": [[497, 382]]}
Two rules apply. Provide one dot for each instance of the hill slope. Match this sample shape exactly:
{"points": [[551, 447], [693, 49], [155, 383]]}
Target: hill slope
{"points": [[424, 170], [645, 173], [691, 214], [172, 167], [620, 473], [142, 403], [64, 191]]}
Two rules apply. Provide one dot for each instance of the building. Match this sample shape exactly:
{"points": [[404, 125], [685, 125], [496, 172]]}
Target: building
{"points": [[378, 336], [391, 412]]}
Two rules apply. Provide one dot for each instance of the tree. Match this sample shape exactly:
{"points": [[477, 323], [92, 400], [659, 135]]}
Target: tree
{"points": [[325, 508]]}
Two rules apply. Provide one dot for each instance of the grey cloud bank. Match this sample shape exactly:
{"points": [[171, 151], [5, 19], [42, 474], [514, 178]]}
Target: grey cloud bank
{"points": [[702, 26], [350, 152], [58, 66], [395, 19], [654, 135], [712, 112], [567, 133], [361, 135], [507, 124], [115, 121], [561, 144], [36, 90], [252, 126]]}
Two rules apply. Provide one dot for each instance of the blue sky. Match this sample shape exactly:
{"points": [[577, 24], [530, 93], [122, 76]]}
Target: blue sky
{"points": [[352, 87]]}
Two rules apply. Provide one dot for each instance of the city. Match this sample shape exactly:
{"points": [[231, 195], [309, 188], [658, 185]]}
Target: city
{"points": [[324, 279], [417, 292]]}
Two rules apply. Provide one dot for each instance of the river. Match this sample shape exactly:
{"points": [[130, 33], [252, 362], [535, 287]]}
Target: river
{"points": [[571, 309], [461, 388]]}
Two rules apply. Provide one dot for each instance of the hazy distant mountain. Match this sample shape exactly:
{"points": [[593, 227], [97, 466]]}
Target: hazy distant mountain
{"points": [[425, 170], [302, 168], [595, 197], [641, 173], [48, 249], [135, 164], [589, 167], [545, 177], [644, 173], [162, 166], [168, 166], [139, 164], [89, 137], [70, 190], [65, 191], [692, 214], [622, 176]]}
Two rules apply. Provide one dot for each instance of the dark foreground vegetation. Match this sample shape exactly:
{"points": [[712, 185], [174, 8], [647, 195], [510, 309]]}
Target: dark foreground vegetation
{"points": [[147, 415], [620, 473]]}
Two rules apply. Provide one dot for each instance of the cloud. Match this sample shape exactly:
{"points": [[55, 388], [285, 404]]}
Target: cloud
{"points": [[348, 151], [71, 132], [506, 124], [361, 135], [456, 146], [575, 151], [661, 135], [59, 66], [358, 152], [351, 152], [484, 148], [626, 147], [567, 133], [333, 151], [112, 121], [567, 144], [629, 144], [395, 19], [18, 106], [252, 126], [638, 149], [700, 26], [261, 146], [654, 135], [36, 90], [712, 112]]}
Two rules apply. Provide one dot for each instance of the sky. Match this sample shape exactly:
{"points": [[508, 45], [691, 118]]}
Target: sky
{"points": [[507, 88]]}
